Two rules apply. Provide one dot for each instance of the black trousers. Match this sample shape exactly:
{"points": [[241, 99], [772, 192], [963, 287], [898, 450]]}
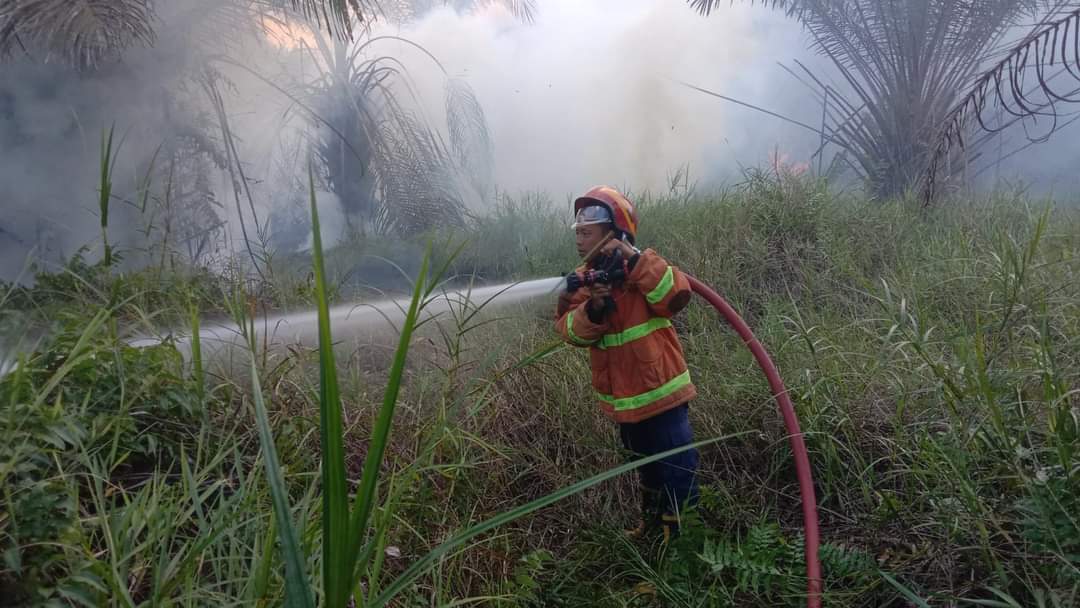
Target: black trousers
{"points": [[672, 481]]}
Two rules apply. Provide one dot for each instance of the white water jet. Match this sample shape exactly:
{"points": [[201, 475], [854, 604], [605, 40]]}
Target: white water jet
{"points": [[301, 329]]}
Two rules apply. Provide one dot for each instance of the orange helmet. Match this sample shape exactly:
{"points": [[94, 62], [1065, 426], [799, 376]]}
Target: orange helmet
{"points": [[622, 211]]}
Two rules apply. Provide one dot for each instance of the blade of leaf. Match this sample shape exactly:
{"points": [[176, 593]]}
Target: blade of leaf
{"points": [[196, 358], [421, 565], [366, 493], [297, 590], [337, 566], [907, 593]]}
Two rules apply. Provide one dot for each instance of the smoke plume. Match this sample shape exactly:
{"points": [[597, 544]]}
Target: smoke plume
{"points": [[588, 93]]}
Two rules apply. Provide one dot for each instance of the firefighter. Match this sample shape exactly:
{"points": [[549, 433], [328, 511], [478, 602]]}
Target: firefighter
{"points": [[638, 370]]}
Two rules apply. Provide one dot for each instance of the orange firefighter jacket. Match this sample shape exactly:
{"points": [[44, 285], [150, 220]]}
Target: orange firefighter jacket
{"points": [[638, 368]]}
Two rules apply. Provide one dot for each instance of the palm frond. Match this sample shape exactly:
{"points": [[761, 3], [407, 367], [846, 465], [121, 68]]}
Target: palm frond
{"points": [[524, 10], [389, 167], [1048, 58], [901, 65], [904, 63], [405, 11], [706, 7], [416, 179], [470, 140], [336, 16], [80, 32]]}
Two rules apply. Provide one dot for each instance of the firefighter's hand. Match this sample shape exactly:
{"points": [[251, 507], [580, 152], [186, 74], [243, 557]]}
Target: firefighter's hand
{"points": [[597, 294], [614, 244]]}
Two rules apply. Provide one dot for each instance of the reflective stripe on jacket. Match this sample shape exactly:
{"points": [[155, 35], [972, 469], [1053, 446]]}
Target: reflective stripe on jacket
{"points": [[638, 368]]}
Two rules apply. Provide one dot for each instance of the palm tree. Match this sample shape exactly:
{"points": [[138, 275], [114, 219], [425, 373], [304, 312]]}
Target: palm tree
{"points": [[391, 169], [80, 32], [903, 64], [87, 32]]}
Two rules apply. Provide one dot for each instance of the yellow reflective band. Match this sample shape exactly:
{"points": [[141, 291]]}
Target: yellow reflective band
{"points": [[570, 331], [662, 288], [634, 333], [630, 403]]}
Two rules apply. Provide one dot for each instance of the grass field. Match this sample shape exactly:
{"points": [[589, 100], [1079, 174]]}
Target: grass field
{"points": [[933, 357]]}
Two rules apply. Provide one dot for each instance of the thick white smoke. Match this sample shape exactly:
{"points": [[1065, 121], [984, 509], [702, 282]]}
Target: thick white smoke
{"points": [[589, 93]]}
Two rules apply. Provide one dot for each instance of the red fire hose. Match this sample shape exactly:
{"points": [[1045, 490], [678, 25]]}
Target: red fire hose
{"points": [[798, 448]]}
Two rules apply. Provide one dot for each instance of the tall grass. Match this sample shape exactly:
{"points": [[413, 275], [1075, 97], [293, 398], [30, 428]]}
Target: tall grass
{"points": [[932, 357], [108, 162], [345, 529]]}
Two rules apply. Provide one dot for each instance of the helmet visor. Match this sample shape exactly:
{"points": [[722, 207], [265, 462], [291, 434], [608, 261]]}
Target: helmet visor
{"points": [[592, 215]]}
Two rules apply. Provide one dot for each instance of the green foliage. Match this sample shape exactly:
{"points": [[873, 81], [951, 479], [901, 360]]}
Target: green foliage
{"points": [[771, 568], [80, 396], [764, 564], [932, 357], [108, 163], [1051, 523], [528, 578]]}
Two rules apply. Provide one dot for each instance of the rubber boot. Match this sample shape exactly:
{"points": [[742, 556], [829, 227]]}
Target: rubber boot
{"points": [[645, 589], [650, 508], [670, 525], [637, 531]]}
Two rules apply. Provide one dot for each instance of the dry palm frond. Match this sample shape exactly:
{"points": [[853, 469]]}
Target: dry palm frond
{"points": [[1048, 59], [81, 32]]}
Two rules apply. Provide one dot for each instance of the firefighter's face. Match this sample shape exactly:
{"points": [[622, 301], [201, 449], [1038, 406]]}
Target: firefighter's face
{"points": [[588, 237]]}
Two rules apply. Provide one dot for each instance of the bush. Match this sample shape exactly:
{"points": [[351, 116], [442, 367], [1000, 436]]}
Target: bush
{"points": [[82, 398]]}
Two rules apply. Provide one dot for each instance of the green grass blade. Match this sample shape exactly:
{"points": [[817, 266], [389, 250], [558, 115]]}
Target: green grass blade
{"points": [[382, 525], [441, 272], [1007, 601], [904, 591], [196, 358], [263, 558], [78, 352], [422, 565], [366, 494], [297, 590], [105, 191], [544, 352], [337, 564]]}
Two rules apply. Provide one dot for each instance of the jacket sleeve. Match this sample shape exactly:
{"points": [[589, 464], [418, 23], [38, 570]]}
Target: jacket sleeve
{"points": [[572, 321], [666, 289], [567, 301]]}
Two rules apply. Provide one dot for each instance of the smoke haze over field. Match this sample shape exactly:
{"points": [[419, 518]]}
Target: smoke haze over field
{"points": [[589, 93]]}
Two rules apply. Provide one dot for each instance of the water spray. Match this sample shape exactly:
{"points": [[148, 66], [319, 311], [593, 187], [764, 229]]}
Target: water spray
{"points": [[300, 329]]}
